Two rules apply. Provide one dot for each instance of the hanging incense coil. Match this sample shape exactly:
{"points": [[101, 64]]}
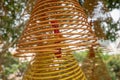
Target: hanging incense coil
{"points": [[74, 32], [95, 66], [56, 28]]}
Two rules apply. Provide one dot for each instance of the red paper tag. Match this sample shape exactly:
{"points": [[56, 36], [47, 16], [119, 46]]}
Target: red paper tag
{"points": [[55, 25]]}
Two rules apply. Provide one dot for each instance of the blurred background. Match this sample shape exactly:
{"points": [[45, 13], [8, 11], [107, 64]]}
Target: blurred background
{"points": [[103, 14]]}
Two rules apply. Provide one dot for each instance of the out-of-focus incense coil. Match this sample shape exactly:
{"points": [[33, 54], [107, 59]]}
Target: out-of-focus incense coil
{"points": [[94, 67], [56, 28], [0, 39], [91, 9], [1, 69], [98, 30]]}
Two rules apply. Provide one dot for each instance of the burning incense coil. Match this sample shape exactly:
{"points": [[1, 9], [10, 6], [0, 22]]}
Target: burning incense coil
{"points": [[55, 29]]}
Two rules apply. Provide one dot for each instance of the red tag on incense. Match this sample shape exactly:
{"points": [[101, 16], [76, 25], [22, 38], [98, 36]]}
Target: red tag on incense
{"points": [[55, 25]]}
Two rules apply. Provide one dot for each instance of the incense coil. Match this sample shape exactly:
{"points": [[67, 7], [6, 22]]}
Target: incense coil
{"points": [[95, 66], [56, 25], [56, 28], [57, 69]]}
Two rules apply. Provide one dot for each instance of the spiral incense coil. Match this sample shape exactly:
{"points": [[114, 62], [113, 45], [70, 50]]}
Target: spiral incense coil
{"points": [[56, 25], [93, 67], [56, 28]]}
